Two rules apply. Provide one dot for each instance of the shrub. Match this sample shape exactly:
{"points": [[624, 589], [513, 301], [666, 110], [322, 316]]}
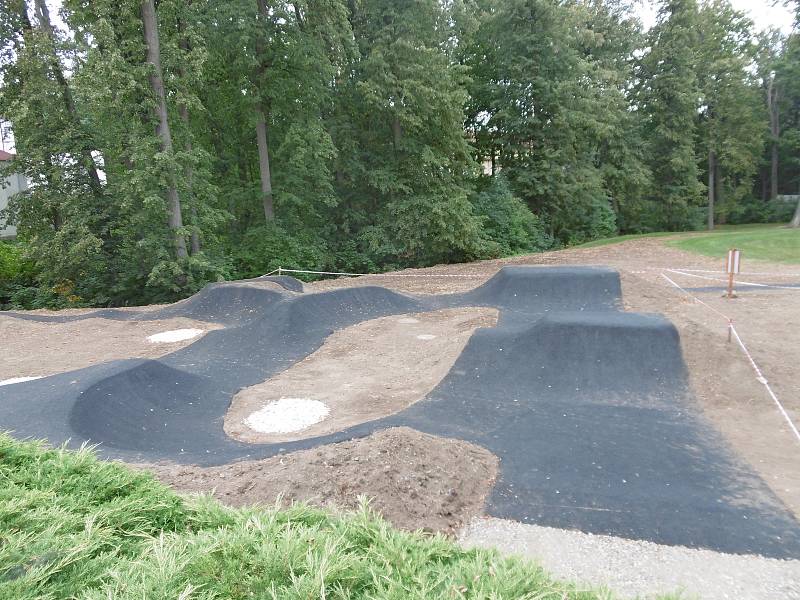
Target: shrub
{"points": [[265, 248], [175, 279], [508, 225], [16, 273]]}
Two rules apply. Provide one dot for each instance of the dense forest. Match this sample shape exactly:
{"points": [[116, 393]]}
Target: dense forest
{"points": [[169, 143]]}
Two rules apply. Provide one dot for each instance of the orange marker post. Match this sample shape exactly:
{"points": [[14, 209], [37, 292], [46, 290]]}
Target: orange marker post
{"points": [[732, 266]]}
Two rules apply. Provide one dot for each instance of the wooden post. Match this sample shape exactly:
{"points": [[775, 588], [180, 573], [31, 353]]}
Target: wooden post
{"points": [[732, 266]]}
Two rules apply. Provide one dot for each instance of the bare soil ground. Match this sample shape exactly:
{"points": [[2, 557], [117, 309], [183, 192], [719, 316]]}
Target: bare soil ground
{"points": [[365, 372], [33, 349], [415, 480]]}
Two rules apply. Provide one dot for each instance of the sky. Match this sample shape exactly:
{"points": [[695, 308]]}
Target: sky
{"points": [[763, 13]]}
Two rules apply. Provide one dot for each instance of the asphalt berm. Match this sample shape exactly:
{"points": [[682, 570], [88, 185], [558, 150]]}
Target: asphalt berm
{"points": [[587, 407]]}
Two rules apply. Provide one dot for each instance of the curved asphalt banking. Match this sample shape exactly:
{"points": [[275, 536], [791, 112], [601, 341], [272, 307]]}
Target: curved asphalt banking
{"points": [[587, 407]]}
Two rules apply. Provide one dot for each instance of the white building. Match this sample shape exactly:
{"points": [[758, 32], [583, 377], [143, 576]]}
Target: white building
{"points": [[8, 187]]}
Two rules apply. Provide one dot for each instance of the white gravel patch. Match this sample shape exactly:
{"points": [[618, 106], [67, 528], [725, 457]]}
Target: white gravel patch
{"points": [[408, 320], [638, 569], [176, 335], [287, 415], [14, 380], [426, 336]]}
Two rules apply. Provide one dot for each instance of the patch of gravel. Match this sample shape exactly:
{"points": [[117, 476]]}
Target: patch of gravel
{"points": [[176, 335], [14, 380], [632, 568], [287, 415]]}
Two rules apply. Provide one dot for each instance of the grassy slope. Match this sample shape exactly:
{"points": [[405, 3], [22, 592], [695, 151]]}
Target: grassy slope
{"points": [[759, 241], [73, 526], [771, 243], [622, 238]]}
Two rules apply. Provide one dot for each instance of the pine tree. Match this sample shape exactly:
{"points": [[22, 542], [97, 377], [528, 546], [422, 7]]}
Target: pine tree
{"points": [[669, 100], [405, 177], [731, 120]]}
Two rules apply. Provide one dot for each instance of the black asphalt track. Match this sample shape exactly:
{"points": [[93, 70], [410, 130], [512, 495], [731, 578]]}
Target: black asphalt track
{"points": [[587, 406]]}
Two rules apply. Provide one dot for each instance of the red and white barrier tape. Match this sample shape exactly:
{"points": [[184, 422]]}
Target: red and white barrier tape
{"points": [[759, 375], [748, 273], [738, 282]]}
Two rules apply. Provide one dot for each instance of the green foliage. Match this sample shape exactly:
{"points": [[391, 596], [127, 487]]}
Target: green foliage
{"points": [[507, 224], [264, 249], [378, 116], [174, 279], [404, 171], [75, 527], [12, 263], [668, 94], [16, 273]]}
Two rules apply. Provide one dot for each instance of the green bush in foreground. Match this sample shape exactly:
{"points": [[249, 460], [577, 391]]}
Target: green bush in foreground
{"points": [[75, 527]]}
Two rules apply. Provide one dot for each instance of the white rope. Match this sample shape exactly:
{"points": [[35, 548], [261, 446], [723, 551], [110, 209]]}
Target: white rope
{"points": [[748, 273], [763, 380], [738, 282], [696, 299], [282, 270], [759, 375]]}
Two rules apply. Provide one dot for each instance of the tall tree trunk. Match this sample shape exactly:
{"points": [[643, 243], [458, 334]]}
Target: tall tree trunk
{"points": [[775, 130], [773, 192], [795, 222], [183, 112], [712, 171], [723, 219], [262, 137], [43, 14], [397, 134], [262, 129], [150, 28]]}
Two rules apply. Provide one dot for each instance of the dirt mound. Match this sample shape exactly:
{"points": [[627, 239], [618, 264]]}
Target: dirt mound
{"points": [[416, 481]]}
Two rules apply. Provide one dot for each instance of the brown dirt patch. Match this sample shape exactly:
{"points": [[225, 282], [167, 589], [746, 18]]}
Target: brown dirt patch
{"points": [[364, 372], [33, 349], [415, 480]]}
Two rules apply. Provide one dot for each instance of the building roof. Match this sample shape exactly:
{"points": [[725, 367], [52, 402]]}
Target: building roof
{"points": [[5, 155]]}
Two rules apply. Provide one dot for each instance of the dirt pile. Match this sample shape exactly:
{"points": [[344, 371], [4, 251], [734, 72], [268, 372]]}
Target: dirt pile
{"points": [[415, 480]]}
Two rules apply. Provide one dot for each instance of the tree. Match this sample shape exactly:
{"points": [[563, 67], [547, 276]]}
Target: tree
{"points": [[789, 72], [150, 30], [668, 99], [404, 181], [170, 143], [731, 124], [63, 214]]}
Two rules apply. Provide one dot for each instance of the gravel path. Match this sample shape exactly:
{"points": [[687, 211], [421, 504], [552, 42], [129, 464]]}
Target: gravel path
{"points": [[634, 569]]}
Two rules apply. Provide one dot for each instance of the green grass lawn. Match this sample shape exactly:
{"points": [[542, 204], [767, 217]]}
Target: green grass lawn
{"points": [[75, 527], [760, 241], [765, 242], [622, 238]]}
